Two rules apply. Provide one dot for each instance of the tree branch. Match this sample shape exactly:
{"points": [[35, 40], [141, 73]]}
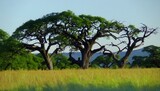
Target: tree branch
{"points": [[98, 49], [31, 47], [110, 53]]}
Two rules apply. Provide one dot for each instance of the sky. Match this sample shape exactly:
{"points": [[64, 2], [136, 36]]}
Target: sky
{"points": [[13, 13]]}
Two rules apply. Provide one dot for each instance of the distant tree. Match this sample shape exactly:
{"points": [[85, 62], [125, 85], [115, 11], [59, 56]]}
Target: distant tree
{"points": [[153, 60], [61, 62], [154, 55], [102, 61], [140, 61], [130, 38]]}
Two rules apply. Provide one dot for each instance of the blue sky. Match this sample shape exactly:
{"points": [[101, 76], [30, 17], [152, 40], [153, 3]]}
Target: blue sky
{"points": [[14, 13]]}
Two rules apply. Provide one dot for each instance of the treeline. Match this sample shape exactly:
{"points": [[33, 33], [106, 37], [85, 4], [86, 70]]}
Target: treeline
{"points": [[77, 32]]}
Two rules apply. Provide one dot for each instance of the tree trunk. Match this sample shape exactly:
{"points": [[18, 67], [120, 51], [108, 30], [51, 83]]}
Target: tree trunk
{"points": [[123, 60], [47, 60], [49, 63], [85, 59]]}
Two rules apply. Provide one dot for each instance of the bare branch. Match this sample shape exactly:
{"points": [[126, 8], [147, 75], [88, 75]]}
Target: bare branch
{"points": [[139, 44], [110, 53], [98, 49], [57, 50]]}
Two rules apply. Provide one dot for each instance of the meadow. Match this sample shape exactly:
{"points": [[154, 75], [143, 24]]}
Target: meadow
{"points": [[81, 80]]}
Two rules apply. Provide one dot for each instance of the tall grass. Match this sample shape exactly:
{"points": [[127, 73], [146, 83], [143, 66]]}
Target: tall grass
{"points": [[90, 79]]}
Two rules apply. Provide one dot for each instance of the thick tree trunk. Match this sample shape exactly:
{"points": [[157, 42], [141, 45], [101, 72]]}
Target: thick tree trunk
{"points": [[123, 60], [49, 63], [85, 59], [47, 60]]}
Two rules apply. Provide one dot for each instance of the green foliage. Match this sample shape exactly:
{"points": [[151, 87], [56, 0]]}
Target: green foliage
{"points": [[140, 61], [101, 61], [14, 57], [104, 61], [24, 61], [153, 60], [3, 35], [134, 31], [75, 66], [152, 50], [61, 62]]}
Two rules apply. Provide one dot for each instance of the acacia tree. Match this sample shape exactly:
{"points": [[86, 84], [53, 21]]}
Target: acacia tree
{"points": [[37, 35], [130, 38], [83, 31]]}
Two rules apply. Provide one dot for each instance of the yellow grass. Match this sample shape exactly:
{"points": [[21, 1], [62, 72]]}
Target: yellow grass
{"points": [[80, 79]]}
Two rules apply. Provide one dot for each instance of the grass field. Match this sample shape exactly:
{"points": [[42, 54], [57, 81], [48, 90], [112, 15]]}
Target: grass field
{"points": [[81, 80]]}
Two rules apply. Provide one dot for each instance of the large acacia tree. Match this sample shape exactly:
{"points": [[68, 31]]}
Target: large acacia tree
{"points": [[83, 31], [129, 39], [39, 35]]}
